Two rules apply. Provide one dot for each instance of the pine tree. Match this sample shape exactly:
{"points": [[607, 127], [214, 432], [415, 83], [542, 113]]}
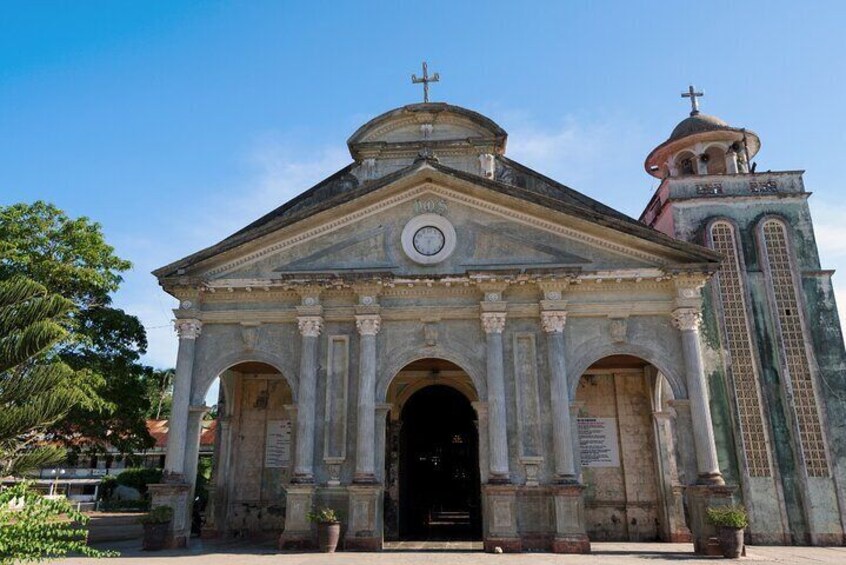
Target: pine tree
{"points": [[36, 389]]}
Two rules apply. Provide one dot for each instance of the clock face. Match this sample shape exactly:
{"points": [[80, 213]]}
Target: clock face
{"points": [[428, 241]]}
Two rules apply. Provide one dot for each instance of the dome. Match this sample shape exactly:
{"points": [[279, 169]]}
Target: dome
{"points": [[436, 125], [695, 134], [699, 123]]}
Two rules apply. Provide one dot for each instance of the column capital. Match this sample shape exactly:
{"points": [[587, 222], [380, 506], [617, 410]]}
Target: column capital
{"points": [[310, 326], [553, 321], [687, 319], [188, 328], [368, 324], [493, 322]]}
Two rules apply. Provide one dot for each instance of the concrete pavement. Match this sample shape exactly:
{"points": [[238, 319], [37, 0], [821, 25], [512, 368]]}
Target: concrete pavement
{"points": [[456, 553]]}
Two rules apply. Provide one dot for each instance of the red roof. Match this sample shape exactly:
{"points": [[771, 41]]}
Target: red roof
{"points": [[158, 429]]}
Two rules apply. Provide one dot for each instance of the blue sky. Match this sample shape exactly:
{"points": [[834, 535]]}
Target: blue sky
{"points": [[176, 123]]}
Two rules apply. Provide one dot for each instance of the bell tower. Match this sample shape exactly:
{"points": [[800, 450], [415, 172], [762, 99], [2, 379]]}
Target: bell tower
{"points": [[774, 351]]}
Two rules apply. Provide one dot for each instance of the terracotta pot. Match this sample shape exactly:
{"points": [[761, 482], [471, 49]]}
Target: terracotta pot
{"points": [[328, 535], [731, 541], [155, 536]]}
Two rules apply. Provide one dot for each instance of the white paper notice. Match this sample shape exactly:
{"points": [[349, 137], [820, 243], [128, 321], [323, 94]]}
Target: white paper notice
{"points": [[277, 452], [598, 445]]}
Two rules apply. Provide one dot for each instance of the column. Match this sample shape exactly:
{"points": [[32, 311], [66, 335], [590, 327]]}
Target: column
{"points": [[494, 324], [188, 329], [365, 444], [553, 323], [310, 327], [687, 320]]}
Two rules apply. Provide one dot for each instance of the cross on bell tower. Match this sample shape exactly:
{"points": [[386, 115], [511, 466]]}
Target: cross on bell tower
{"points": [[693, 95], [425, 80]]}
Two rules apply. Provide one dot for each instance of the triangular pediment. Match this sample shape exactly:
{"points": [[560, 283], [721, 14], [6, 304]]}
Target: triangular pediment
{"points": [[496, 227]]}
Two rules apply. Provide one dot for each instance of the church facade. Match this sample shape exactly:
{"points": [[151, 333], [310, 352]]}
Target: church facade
{"points": [[440, 343]]}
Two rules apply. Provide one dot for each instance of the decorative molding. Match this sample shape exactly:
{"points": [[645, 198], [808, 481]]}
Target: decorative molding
{"points": [[250, 334], [618, 328], [493, 322], [368, 324], [188, 328], [310, 326], [687, 319], [553, 321], [410, 194]]}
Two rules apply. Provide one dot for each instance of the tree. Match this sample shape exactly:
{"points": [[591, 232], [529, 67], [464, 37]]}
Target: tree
{"points": [[36, 389], [159, 392], [70, 257], [36, 528]]}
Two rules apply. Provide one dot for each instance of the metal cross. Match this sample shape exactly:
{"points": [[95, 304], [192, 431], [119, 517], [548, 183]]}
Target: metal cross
{"points": [[425, 80], [693, 95]]}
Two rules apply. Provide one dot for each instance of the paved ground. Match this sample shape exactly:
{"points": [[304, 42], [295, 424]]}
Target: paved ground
{"points": [[459, 554]]}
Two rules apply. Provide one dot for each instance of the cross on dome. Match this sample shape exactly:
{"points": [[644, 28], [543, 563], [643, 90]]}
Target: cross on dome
{"points": [[693, 95]]}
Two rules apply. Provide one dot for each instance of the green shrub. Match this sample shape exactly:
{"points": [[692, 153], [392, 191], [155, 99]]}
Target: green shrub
{"points": [[158, 515], [124, 505], [35, 528], [732, 516], [138, 478], [107, 487], [325, 515]]}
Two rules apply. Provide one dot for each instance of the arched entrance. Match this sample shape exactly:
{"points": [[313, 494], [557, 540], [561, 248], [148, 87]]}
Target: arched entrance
{"points": [[248, 473], [627, 452], [432, 461]]}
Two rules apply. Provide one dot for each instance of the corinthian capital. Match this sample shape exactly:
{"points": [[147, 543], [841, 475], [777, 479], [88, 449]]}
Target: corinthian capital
{"points": [[368, 324], [188, 328], [310, 326], [686, 319], [553, 322], [493, 322]]}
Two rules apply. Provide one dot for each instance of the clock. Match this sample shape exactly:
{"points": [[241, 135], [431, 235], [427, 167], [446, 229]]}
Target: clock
{"points": [[428, 240]]}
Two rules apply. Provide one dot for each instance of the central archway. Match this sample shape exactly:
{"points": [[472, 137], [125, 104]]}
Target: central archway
{"points": [[433, 491]]}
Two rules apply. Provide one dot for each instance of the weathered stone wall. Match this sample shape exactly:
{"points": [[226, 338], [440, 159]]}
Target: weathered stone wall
{"points": [[786, 507]]}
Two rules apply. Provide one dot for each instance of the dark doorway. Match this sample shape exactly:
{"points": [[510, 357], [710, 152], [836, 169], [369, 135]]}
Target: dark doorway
{"points": [[439, 467]]}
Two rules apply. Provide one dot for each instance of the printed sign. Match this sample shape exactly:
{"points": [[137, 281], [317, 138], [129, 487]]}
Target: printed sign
{"points": [[598, 444], [277, 452]]}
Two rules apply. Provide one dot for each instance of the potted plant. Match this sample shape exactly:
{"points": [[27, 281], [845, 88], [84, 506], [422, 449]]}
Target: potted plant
{"points": [[731, 520], [156, 524], [328, 529]]}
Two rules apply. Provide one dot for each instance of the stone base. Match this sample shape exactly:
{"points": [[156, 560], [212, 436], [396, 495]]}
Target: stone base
{"points": [[571, 544], [570, 531], [507, 545], [175, 496], [364, 518], [699, 498], [298, 533], [363, 544], [827, 539]]}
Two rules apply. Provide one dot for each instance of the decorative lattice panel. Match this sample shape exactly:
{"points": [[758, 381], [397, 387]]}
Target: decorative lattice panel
{"points": [[792, 336], [737, 340]]}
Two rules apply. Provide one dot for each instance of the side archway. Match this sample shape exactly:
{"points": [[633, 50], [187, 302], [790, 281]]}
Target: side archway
{"points": [[204, 380], [593, 353]]}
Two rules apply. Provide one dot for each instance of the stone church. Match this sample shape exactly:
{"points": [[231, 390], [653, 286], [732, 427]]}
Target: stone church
{"points": [[440, 343]]}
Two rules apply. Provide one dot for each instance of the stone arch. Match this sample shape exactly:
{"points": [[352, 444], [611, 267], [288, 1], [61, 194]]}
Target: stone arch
{"points": [[715, 155], [592, 354], [399, 360], [202, 384], [685, 163]]}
